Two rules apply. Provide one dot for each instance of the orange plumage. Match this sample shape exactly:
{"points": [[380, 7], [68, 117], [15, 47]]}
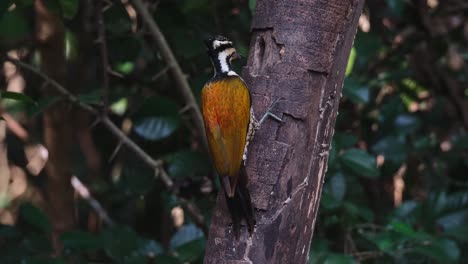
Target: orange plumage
{"points": [[226, 112]]}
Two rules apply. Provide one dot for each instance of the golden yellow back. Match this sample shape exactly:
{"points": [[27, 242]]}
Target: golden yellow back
{"points": [[226, 112]]}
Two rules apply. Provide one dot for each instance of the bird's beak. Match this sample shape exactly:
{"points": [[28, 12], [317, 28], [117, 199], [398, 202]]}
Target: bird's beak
{"points": [[236, 56]]}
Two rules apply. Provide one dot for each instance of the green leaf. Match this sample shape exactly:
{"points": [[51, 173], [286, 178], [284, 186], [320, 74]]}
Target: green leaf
{"points": [[397, 6], [190, 6], [191, 251], [93, 97], [69, 8], [116, 19], [356, 92], [123, 52], [407, 123], [344, 140], [4, 5], [42, 260], [126, 67], [79, 240], [120, 106], [7, 232], [328, 201], [41, 105], [338, 186], [120, 242], [156, 128], [37, 243], [252, 4], [442, 250], [392, 148], [355, 210], [14, 26], [351, 60], [360, 162], [166, 259], [150, 248], [339, 258], [186, 234], [187, 164], [456, 218], [157, 119], [35, 217], [458, 232], [156, 106], [136, 179]]}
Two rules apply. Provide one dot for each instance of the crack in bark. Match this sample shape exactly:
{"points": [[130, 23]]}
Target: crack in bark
{"points": [[278, 212]]}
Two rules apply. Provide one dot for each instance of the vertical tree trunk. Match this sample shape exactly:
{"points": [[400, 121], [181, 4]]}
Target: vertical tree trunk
{"points": [[299, 53], [58, 130]]}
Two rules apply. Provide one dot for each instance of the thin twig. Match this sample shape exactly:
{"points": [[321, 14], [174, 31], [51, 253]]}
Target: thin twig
{"points": [[104, 55], [155, 164], [175, 70], [69, 96], [195, 214], [161, 73], [84, 193]]}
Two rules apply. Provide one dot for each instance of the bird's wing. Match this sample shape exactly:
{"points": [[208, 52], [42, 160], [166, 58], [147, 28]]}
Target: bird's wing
{"points": [[226, 112]]}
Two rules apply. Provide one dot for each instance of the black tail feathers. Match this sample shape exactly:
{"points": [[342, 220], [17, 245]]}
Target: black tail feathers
{"points": [[240, 205]]}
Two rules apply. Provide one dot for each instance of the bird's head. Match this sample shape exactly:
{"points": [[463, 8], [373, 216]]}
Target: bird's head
{"points": [[219, 45]]}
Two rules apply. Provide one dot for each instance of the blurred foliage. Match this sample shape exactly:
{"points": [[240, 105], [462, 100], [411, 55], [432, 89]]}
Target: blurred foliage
{"points": [[396, 187]]}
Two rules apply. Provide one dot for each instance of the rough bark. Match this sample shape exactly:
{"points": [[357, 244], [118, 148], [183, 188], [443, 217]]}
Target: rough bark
{"points": [[299, 52]]}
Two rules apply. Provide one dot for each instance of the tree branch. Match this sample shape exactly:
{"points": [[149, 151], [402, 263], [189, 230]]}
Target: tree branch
{"points": [[84, 193], [175, 70], [104, 54]]}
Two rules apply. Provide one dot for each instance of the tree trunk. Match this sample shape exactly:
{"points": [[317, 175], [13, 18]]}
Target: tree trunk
{"points": [[299, 53], [58, 130]]}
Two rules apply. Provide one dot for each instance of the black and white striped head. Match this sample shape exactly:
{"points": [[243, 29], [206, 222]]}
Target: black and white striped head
{"points": [[222, 52]]}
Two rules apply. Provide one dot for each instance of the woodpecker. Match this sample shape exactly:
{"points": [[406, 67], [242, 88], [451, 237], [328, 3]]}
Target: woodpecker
{"points": [[230, 124]]}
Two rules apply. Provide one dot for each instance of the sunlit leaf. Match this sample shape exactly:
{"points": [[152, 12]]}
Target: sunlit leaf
{"points": [[120, 106], [351, 60], [125, 67]]}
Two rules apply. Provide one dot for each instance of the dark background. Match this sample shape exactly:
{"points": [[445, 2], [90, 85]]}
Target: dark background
{"points": [[396, 187]]}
